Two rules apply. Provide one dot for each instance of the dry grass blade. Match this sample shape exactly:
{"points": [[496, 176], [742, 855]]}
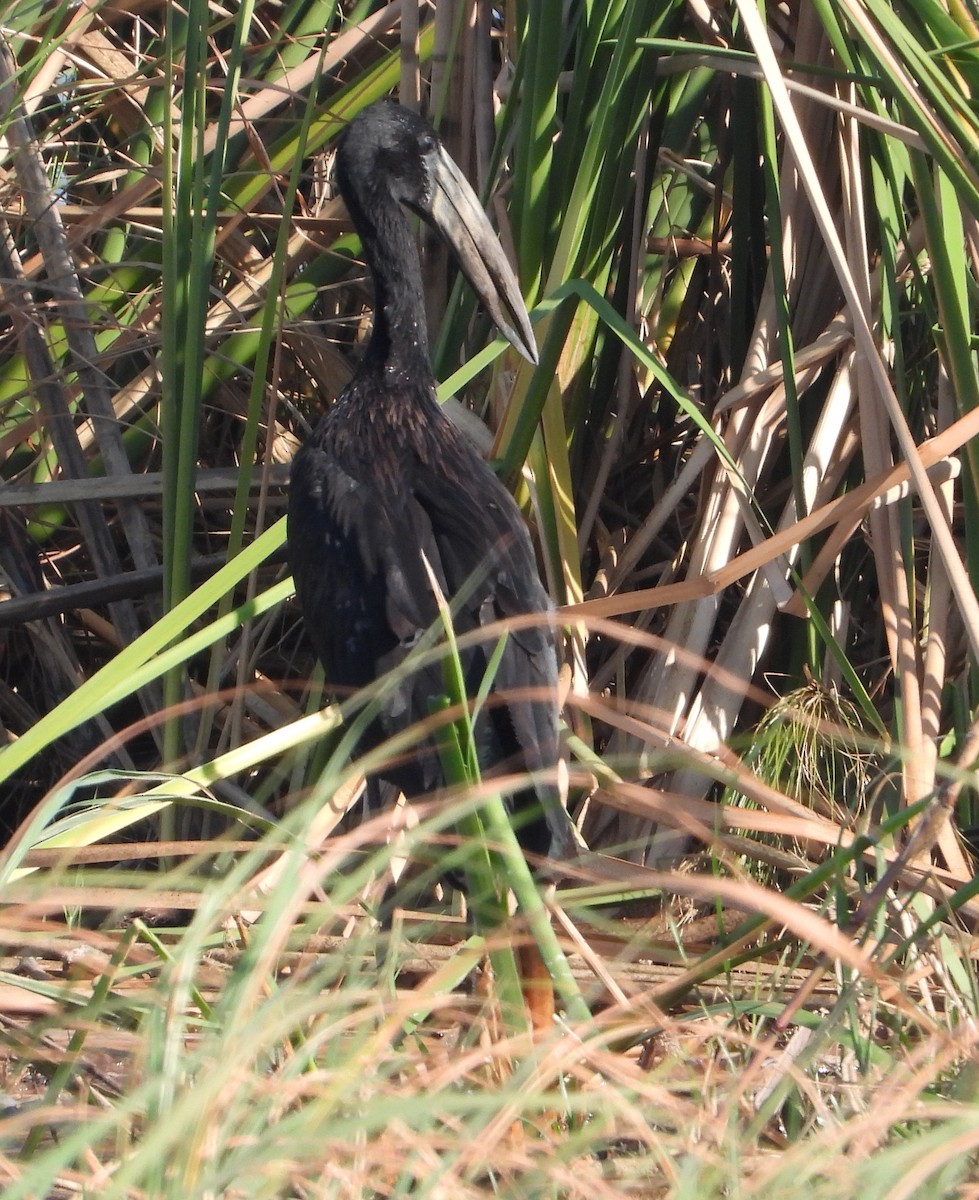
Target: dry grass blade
{"points": [[750, 243]]}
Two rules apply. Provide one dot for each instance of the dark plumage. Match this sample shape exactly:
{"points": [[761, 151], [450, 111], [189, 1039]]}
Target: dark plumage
{"points": [[385, 477]]}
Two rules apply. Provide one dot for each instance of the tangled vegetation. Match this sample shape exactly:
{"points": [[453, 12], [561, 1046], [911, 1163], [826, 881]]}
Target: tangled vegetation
{"points": [[749, 240]]}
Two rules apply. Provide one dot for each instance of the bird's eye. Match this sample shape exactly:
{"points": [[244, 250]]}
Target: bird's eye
{"points": [[427, 143]]}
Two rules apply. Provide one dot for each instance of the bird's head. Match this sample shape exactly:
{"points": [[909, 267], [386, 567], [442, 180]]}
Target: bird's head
{"points": [[388, 152]]}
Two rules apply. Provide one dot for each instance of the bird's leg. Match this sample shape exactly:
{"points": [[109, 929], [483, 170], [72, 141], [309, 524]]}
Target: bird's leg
{"points": [[537, 987]]}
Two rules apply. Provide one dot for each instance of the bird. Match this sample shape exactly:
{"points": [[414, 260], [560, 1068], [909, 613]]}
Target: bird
{"points": [[386, 486]]}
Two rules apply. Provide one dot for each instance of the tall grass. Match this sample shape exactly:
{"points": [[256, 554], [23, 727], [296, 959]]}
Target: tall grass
{"points": [[750, 245]]}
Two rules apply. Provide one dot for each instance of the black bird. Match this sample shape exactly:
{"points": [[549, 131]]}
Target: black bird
{"points": [[386, 478]]}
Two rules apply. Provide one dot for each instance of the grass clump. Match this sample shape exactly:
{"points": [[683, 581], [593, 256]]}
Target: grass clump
{"points": [[749, 243]]}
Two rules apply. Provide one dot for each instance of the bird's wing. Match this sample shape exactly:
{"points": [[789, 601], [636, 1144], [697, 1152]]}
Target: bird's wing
{"points": [[364, 596], [367, 609], [486, 556]]}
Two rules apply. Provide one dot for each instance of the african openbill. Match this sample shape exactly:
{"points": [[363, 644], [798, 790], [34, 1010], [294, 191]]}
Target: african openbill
{"points": [[386, 478]]}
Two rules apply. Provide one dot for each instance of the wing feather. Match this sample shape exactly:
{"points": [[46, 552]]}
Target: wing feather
{"points": [[356, 551]]}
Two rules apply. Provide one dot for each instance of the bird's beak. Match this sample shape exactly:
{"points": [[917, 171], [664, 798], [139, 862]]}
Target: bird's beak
{"points": [[456, 214]]}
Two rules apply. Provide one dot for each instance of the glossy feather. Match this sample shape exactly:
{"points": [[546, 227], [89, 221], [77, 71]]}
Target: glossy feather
{"points": [[385, 477]]}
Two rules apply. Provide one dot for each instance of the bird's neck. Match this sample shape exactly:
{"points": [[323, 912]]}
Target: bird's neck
{"points": [[398, 343]]}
